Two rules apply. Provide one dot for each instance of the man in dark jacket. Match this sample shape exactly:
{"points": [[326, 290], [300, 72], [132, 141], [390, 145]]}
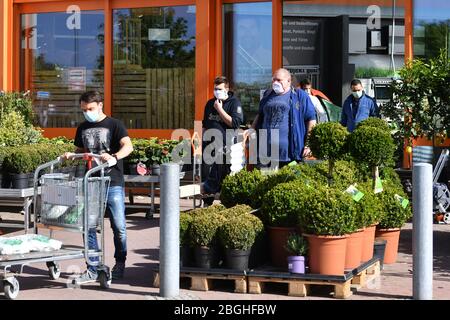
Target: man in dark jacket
{"points": [[357, 107], [222, 112]]}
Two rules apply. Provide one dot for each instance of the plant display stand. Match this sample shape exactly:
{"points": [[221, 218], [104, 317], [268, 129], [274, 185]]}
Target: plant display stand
{"points": [[299, 284], [203, 279]]}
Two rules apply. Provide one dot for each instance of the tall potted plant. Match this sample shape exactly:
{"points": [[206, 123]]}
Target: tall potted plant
{"points": [[327, 217], [328, 141], [419, 108], [397, 211], [280, 212]]}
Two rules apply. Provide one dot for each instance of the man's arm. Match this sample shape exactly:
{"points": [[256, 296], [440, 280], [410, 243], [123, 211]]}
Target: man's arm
{"points": [[218, 105], [374, 112], [126, 147]]}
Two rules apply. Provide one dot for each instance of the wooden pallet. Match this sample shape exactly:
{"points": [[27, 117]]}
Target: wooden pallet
{"points": [[203, 280], [300, 285], [366, 275]]}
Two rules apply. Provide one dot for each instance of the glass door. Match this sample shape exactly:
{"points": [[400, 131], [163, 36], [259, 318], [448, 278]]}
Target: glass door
{"points": [[62, 55]]}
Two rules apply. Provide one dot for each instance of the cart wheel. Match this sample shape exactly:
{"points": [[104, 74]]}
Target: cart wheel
{"points": [[447, 218], [105, 281], [11, 289], [54, 271], [149, 215]]}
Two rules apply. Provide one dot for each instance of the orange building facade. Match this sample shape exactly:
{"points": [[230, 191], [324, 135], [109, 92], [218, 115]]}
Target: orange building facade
{"points": [[155, 61]]}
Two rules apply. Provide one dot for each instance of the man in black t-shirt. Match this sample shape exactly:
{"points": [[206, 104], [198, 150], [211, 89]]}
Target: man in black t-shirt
{"points": [[222, 112], [108, 137]]}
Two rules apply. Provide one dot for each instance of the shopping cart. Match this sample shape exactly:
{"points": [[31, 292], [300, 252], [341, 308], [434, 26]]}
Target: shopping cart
{"points": [[63, 202]]}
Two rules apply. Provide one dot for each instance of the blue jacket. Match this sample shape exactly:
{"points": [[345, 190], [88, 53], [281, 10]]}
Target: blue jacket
{"points": [[301, 111], [367, 108]]}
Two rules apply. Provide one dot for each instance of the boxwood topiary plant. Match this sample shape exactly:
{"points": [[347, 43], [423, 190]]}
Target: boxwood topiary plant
{"points": [[374, 123], [327, 211], [369, 208], [282, 204], [238, 233], [328, 141], [185, 224], [235, 211], [240, 187], [372, 146], [203, 230], [394, 214]]}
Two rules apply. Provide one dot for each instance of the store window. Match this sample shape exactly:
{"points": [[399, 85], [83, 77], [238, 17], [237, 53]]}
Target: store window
{"points": [[247, 51], [154, 67], [332, 42], [431, 27], [61, 57]]}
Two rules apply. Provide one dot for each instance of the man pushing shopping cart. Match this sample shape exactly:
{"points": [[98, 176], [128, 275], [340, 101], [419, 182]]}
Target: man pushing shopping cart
{"points": [[107, 137]]}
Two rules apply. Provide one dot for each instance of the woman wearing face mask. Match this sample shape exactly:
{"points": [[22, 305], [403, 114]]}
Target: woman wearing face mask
{"points": [[222, 112], [357, 107]]}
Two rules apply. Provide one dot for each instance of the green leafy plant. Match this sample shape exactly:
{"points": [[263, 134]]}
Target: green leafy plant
{"points": [[419, 107], [370, 72], [139, 151], [240, 187], [203, 230], [17, 102], [327, 211], [185, 224], [374, 123], [282, 205], [373, 147], [160, 151], [296, 245], [328, 141], [238, 232], [15, 132], [235, 211], [345, 173], [369, 208], [394, 214]]}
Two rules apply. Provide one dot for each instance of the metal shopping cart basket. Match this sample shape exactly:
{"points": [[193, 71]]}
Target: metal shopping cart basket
{"points": [[64, 203]]}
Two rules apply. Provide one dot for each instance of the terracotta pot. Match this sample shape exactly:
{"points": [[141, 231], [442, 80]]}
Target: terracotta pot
{"points": [[391, 236], [327, 254], [353, 251], [368, 241], [277, 239]]}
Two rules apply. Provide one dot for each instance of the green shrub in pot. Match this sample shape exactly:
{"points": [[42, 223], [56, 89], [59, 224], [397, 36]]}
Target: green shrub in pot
{"points": [[374, 123], [282, 204], [235, 211], [203, 230], [372, 146], [238, 233], [328, 141], [296, 245], [394, 214], [185, 223], [302, 171], [369, 208], [240, 187], [327, 211]]}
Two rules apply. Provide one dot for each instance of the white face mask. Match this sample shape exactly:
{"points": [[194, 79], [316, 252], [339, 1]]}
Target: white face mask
{"points": [[357, 94], [220, 94], [277, 87]]}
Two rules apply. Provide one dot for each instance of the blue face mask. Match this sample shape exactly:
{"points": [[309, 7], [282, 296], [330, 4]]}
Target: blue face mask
{"points": [[91, 116]]}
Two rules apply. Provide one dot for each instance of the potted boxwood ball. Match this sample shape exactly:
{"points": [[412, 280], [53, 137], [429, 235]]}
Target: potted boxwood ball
{"points": [[239, 188], [185, 245]]}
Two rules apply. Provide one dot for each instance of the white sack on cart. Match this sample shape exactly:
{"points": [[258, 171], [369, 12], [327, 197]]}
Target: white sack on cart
{"points": [[27, 243], [37, 242], [13, 246]]}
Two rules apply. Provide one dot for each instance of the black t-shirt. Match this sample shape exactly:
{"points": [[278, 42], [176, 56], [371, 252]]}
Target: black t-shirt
{"points": [[101, 137], [232, 106]]}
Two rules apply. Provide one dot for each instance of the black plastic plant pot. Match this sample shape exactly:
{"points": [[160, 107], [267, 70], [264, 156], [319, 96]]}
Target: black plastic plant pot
{"points": [[205, 257], [237, 259]]}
